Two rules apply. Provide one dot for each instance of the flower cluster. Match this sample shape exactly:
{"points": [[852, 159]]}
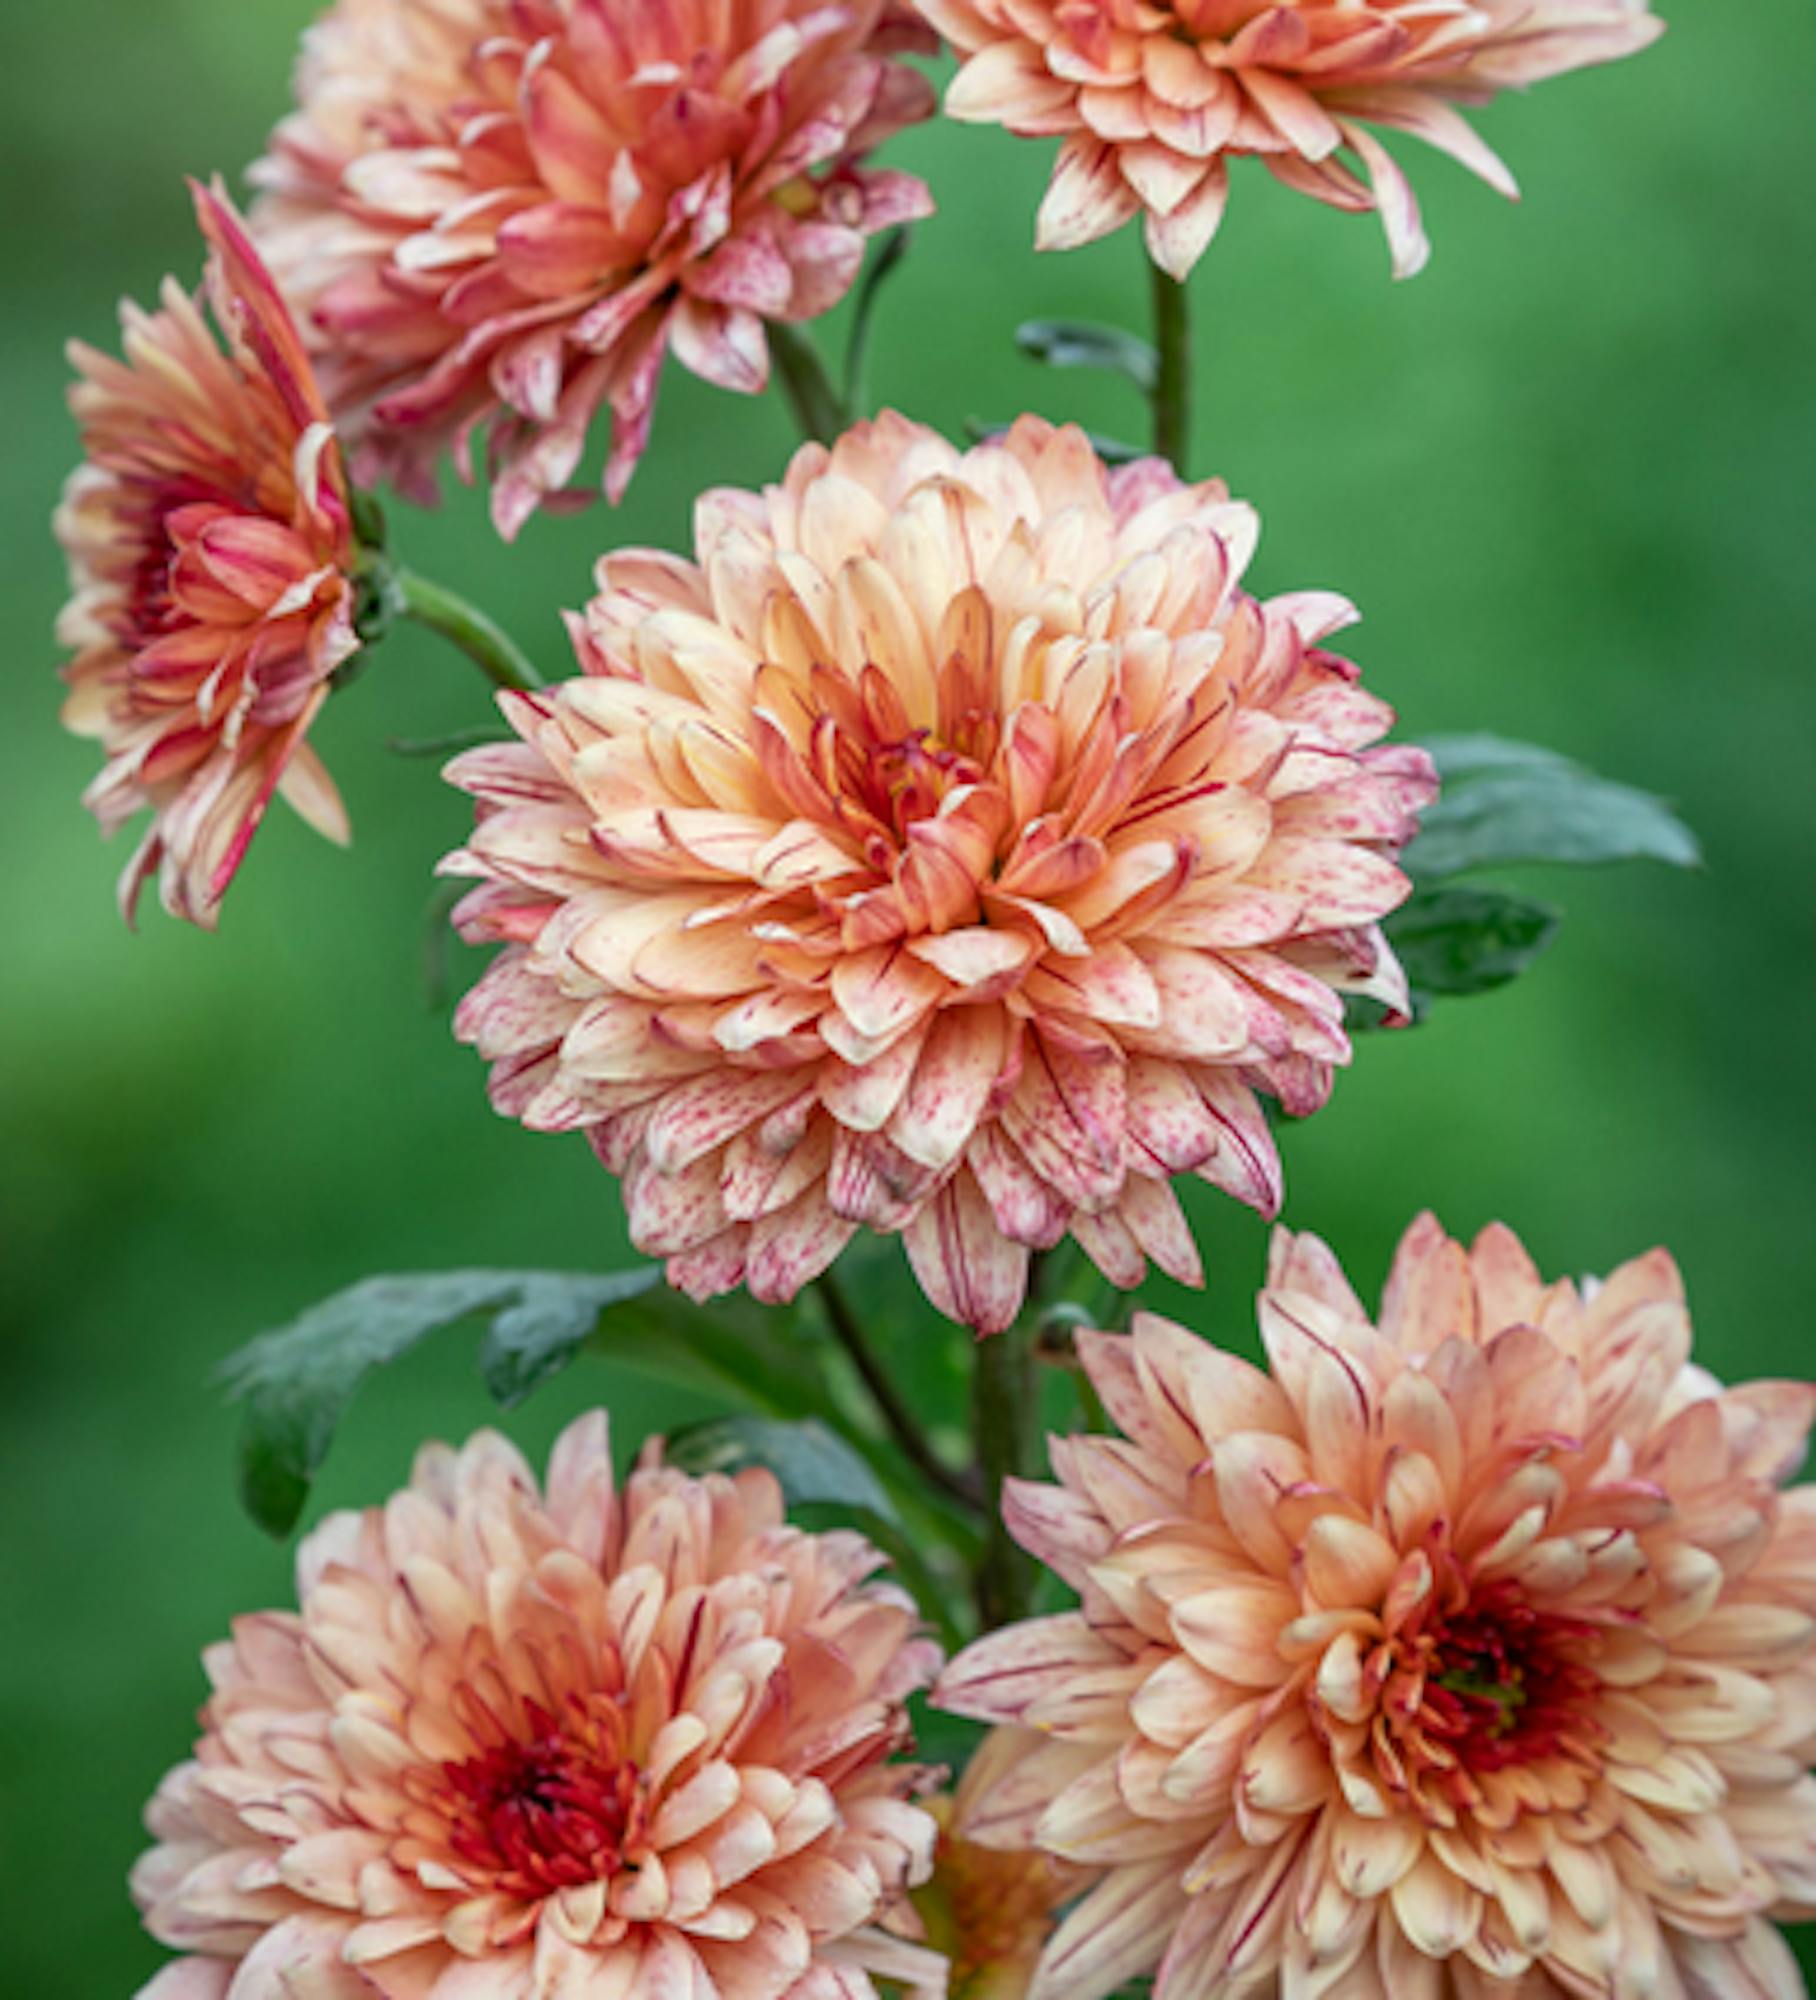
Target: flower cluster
{"points": [[584, 1742], [1472, 1652], [953, 847], [1154, 97], [210, 545], [506, 212]]}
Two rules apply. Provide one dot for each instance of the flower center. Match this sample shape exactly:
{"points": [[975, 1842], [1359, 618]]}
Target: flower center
{"points": [[1501, 1683], [883, 773], [1483, 1683], [898, 783], [559, 1810]]}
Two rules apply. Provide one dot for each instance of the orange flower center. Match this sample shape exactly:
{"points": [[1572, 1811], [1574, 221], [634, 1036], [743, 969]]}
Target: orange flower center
{"points": [[559, 1810], [883, 774]]}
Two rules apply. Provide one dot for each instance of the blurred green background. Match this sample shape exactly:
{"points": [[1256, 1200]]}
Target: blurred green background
{"points": [[1566, 475]]}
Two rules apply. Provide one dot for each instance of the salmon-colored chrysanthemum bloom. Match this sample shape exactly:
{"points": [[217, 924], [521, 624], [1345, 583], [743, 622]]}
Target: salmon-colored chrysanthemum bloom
{"points": [[1154, 97], [954, 848], [991, 1910], [1467, 1656], [591, 1743], [210, 547], [508, 211]]}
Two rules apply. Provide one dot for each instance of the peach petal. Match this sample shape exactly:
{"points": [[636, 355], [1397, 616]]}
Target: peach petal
{"points": [[1396, 1675], [1148, 99], [841, 887]]}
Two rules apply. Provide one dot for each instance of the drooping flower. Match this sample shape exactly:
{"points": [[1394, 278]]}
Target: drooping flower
{"points": [[597, 1742], [952, 848], [990, 1910], [1154, 97], [210, 547], [1467, 1655], [506, 212]]}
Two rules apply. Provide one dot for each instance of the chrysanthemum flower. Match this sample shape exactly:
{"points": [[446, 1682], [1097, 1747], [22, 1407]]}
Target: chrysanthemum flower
{"points": [[587, 1744], [210, 548], [1467, 1656], [954, 848], [1153, 98], [508, 211], [991, 1910]]}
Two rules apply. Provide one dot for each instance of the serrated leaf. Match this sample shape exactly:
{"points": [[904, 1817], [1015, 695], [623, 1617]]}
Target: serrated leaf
{"points": [[1543, 811], [296, 1382], [1458, 941], [814, 1465], [1062, 343]]}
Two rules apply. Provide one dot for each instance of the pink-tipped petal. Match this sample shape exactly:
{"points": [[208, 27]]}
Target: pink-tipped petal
{"points": [[1151, 102], [211, 554], [631, 1740], [837, 892], [1357, 1641], [501, 219]]}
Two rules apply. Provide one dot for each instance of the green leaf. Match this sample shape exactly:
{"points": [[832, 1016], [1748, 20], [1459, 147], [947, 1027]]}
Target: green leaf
{"points": [[1454, 941], [553, 1318], [296, 1382], [815, 1466], [1469, 756], [449, 745], [1113, 451], [1514, 802], [1062, 343]]}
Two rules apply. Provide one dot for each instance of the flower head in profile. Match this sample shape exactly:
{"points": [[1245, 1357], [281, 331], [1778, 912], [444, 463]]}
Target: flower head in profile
{"points": [[990, 1910], [505, 213], [1152, 98], [952, 848], [210, 547], [584, 1742], [1466, 1655]]}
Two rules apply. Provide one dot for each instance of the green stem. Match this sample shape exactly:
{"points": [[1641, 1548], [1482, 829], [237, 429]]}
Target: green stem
{"points": [[889, 253], [849, 1333], [1005, 1413], [464, 625], [1173, 387], [815, 403]]}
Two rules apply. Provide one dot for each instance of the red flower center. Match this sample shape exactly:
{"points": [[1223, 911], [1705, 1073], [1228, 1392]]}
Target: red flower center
{"points": [[1481, 1681], [1504, 1684], [559, 1810]]}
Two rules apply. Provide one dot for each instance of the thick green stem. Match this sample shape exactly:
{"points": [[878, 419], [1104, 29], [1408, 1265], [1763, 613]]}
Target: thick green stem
{"points": [[1173, 386], [802, 375], [1005, 1412], [464, 625], [848, 1331]]}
